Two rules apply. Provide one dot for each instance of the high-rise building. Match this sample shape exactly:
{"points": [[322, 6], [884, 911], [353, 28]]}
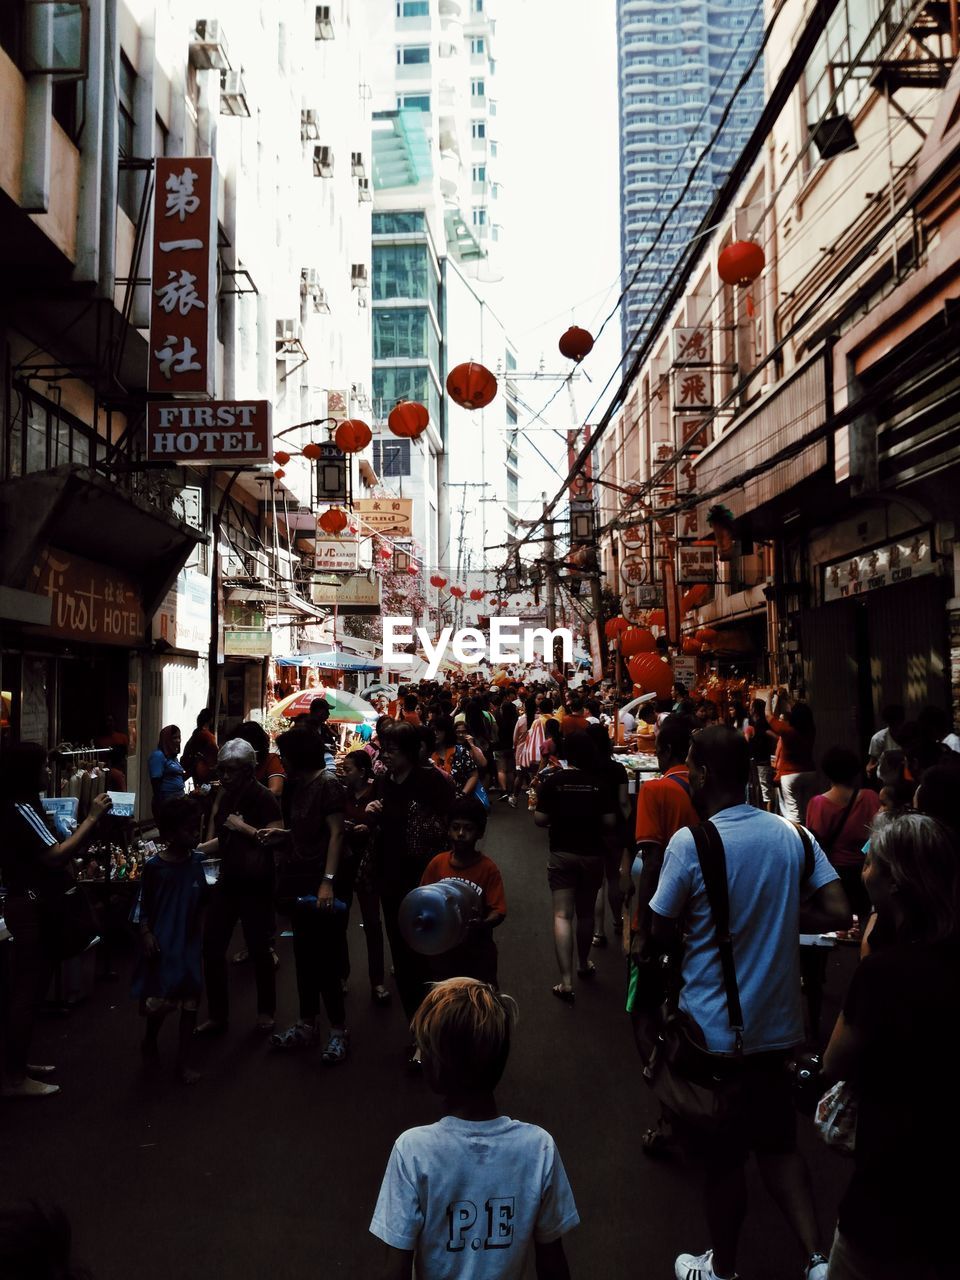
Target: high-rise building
{"points": [[678, 67], [435, 240]]}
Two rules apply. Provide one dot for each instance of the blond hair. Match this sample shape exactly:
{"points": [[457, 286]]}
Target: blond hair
{"points": [[462, 1030]]}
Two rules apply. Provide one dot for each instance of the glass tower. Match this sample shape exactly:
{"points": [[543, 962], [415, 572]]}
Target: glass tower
{"points": [[678, 67]]}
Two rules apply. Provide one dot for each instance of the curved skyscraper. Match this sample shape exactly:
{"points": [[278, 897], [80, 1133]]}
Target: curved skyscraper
{"points": [[679, 63]]}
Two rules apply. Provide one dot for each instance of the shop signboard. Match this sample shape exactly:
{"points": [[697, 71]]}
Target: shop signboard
{"points": [[692, 346], [685, 671], [89, 601], [183, 286], [391, 516], [358, 594], [697, 564], [910, 556], [596, 650], [633, 570], [337, 555], [338, 405], [581, 486], [183, 618], [247, 644], [692, 389], [182, 432], [331, 474]]}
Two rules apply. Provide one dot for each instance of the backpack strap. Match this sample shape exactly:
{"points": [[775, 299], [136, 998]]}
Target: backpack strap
{"points": [[809, 861], [713, 865], [681, 782]]}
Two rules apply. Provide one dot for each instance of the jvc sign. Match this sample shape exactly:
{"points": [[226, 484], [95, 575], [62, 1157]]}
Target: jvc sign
{"points": [[187, 432]]}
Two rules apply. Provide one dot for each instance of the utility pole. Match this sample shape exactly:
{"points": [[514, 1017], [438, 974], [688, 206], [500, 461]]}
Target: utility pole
{"points": [[548, 566]]}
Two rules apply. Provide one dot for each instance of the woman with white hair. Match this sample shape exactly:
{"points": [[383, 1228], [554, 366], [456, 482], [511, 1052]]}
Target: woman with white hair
{"points": [[241, 807]]}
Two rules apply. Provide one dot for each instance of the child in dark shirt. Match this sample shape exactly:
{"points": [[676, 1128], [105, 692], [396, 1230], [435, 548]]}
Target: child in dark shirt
{"points": [[476, 957]]}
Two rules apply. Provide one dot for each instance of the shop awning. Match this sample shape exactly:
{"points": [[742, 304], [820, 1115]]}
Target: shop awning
{"points": [[76, 509], [333, 660]]}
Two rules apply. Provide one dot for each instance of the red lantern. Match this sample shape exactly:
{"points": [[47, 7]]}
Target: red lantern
{"points": [[412, 570], [695, 597], [313, 451], [741, 262], [576, 344], [471, 386], [652, 673], [278, 475], [281, 458], [333, 520], [409, 419], [459, 592], [707, 637], [476, 594], [437, 581], [657, 618], [615, 627], [386, 553], [352, 436], [690, 645], [637, 640]]}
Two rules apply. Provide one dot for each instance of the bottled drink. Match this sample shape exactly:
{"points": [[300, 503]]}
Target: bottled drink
{"points": [[437, 917], [532, 798]]}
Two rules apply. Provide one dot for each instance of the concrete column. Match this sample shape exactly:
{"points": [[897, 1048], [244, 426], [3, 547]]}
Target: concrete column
{"points": [[87, 267], [38, 122]]}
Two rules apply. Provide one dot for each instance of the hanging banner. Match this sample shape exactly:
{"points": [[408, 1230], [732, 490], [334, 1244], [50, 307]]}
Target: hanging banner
{"points": [[184, 280], [393, 516], [671, 604], [180, 432], [581, 486]]}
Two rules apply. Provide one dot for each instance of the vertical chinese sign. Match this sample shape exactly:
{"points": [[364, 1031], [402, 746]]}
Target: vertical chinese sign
{"points": [[184, 288]]}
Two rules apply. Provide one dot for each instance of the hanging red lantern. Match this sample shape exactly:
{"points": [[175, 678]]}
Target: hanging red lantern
{"points": [[409, 419], [576, 344], [313, 451], [741, 262], [657, 618], [707, 637], [694, 597], [437, 581], [690, 645], [459, 592], [333, 521], [278, 475], [651, 673], [412, 570], [637, 640], [615, 627], [476, 594], [471, 385], [386, 553], [281, 458], [352, 436]]}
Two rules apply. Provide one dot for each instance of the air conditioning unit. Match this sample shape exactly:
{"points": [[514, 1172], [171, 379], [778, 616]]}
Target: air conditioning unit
{"points": [[258, 565], [309, 281], [208, 48], [233, 97], [324, 22], [287, 331], [357, 169], [358, 275], [323, 162], [363, 189], [320, 304], [309, 124]]}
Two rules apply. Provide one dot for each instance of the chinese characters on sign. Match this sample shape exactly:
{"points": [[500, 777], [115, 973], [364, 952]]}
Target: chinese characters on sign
{"points": [[633, 570], [217, 431], [692, 346], [393, 516], [581, 486], [89, 601], [359, 594], [692, 389], [909, 557], [337, 555], [183, 289]]}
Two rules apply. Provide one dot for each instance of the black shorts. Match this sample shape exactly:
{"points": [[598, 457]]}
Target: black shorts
{"points": [[762, 1115], [571, 871]]}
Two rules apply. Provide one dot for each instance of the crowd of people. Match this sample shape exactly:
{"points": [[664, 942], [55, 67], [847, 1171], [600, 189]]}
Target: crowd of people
{"points": [[747, 839]]}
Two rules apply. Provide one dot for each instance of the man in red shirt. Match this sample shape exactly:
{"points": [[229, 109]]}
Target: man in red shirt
{"points": [[575, 721]]}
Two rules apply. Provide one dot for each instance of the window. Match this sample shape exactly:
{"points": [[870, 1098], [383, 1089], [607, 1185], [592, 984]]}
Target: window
{"points": [[477, 6], [43, 436], [479, 217], [129, 182], [479, 173], [413, 102], [404, 333], [478, 128], [410, 55], [412, 382], [494, 149], [478, 89], [160, 136], [413, 8], [401, 271], [398, 223], [492, 106], [391, 458], [478, 45]]}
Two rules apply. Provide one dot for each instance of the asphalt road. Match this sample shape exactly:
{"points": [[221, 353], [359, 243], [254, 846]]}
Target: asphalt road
{"points": [[270, 1167]]}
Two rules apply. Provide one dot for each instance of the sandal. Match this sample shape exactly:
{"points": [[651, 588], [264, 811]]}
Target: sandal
{"points": [[566, 994], [380, 995], [588, 972], [302, 1035]]}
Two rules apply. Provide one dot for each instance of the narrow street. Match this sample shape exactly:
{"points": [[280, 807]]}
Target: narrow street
{"points": [[270, 1166]]}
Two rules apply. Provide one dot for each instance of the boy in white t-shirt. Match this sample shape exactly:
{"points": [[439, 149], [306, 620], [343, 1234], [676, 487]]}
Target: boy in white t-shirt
{"points": [[466, 1196]]}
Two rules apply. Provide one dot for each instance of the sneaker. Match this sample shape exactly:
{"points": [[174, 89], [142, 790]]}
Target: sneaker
{"points": [[512, 802], [28, 1088], [697, 1267], [816, 1268], [302, 1035], [504, 795], [336, 1050]]}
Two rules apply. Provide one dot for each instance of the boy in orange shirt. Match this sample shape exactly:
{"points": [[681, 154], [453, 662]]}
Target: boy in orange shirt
{"points": [[477, 956]]}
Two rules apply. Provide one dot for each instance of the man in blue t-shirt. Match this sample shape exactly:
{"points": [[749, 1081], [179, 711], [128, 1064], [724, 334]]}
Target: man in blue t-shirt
{"points": [[772, 899]]}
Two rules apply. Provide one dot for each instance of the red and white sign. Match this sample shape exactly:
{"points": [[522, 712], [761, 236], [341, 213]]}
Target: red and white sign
{"points": [[184, 281], [182, 431], [581, 486]]}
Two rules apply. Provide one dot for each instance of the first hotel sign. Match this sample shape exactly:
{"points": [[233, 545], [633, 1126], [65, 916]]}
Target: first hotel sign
{"points": [[190, 432], [184, 281]]}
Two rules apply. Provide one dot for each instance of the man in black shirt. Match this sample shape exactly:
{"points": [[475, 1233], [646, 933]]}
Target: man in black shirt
{"points": [[578, 809]]}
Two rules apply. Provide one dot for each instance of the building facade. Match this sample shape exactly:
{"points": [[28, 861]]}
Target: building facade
{"points": [[132, 588], [813, 411], [678, 67]]}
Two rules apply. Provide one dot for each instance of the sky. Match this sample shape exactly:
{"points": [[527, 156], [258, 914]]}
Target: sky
{"points": [[557, 113]]}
